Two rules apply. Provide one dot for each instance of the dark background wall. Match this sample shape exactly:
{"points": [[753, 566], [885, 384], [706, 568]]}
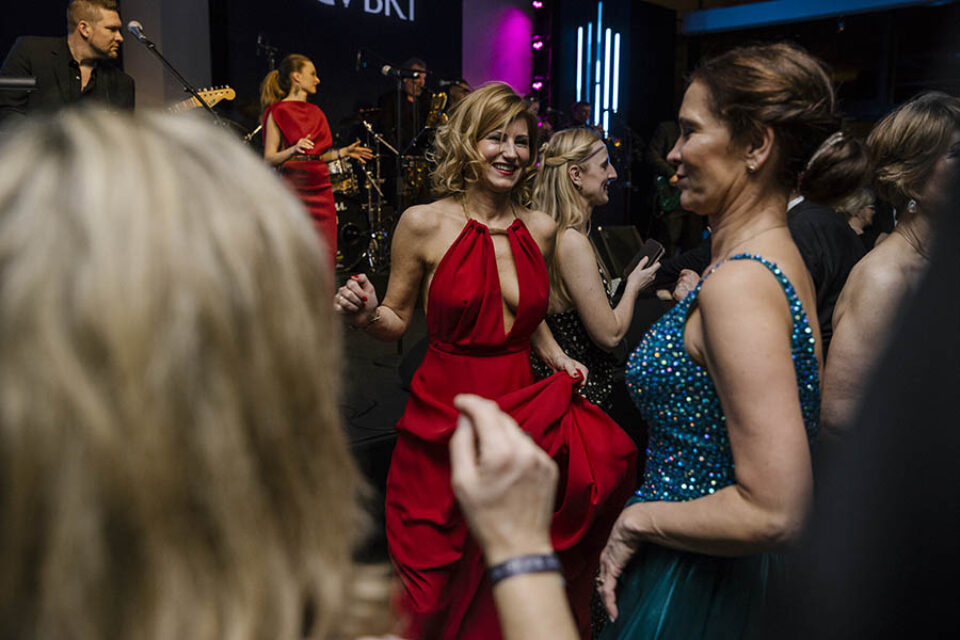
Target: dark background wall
{"points": [[331, 36]]}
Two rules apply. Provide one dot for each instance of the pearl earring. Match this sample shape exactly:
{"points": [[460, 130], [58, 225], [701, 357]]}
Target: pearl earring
{"points": [[912, 206]]}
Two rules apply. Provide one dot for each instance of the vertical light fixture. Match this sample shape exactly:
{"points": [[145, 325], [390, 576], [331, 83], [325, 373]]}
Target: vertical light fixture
{"points": [[597, 75], [616, 74], [579, 64], [589, 57], [606, 80], [597, 79]]}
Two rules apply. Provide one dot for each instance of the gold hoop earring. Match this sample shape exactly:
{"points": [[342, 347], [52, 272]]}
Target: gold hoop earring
{"points": [[751, 168]]}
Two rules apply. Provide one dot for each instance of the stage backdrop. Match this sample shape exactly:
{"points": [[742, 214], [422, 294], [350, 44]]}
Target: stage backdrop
{"points": [[332, 33]]}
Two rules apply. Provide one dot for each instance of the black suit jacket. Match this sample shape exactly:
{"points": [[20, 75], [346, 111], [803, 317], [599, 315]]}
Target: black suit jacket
{"points": [[48, 60]]}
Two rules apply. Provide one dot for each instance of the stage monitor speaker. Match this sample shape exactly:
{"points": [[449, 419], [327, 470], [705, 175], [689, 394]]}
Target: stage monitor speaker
{"points": [[615, 246]]}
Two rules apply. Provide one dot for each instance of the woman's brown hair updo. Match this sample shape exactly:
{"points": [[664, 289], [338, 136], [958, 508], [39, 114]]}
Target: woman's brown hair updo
{"points": [[776, 85], [278, 82], [839, 168], [905, 145]]}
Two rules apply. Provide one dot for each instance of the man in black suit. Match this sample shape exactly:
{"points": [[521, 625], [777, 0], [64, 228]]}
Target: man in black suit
{"points": [[75, 69]]}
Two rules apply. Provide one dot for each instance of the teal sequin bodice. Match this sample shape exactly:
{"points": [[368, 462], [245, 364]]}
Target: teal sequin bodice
{"points": [[689, 449]]}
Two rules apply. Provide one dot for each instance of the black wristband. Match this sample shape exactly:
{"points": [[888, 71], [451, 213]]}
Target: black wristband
{"points": [[521, 565]]}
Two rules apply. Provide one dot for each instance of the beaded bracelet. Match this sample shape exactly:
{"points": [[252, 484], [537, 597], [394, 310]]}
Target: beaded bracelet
{"points": [[521, 565]]}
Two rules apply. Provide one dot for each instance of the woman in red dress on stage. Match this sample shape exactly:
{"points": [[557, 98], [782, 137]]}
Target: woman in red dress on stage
{"points": [[477, 256], [297, 138]]}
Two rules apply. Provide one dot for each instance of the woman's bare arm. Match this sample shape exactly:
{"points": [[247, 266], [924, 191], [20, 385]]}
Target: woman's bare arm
{"points": [[357, 299], [578, 268], [746, 346]]}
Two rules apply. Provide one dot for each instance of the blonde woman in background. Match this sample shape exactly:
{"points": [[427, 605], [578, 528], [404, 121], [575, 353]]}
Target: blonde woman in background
{"points": [[172, 463], [574, 177]]}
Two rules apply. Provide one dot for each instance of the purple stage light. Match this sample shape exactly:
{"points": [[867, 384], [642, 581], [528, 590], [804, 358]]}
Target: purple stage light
{"points": [[537, 43], [537, 85], [537, 4]]}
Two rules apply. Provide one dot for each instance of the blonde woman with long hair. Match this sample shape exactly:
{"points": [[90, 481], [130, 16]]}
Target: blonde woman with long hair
{"points": [[172, 459], [297, 139], [478, 257], [574, 177]]}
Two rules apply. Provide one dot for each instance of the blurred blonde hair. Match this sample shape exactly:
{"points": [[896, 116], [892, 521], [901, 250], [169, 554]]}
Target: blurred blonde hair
{"points": [[458, 162], [853, 203], [906, 144], [172, 463], [554, 193]]}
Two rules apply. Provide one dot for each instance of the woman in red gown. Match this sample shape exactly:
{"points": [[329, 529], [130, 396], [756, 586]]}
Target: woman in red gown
{"points": [[297, 139], [477, 255]]}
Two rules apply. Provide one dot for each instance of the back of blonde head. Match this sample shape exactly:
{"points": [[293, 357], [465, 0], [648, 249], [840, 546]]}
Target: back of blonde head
{"points": [[171, 458], [458, 160], [554, 193]]}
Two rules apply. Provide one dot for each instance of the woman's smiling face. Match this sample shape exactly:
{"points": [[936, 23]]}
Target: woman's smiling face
{"points": [[506, 152]]}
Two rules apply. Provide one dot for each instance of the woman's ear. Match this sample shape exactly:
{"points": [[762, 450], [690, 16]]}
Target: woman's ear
{"points": [[576, 176], [760, 148]]}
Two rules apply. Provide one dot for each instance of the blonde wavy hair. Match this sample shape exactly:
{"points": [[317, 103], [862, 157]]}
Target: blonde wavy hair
{"points": [[555, 194], [906, 144], [172, 463], [455, 154]]}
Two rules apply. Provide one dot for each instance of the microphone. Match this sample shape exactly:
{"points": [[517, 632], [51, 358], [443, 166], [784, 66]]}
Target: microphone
{"points": [[447, 83], [136, 29], [395, 72]]}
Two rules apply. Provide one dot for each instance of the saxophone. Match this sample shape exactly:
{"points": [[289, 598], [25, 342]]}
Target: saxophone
{"points": [[437, 116]]}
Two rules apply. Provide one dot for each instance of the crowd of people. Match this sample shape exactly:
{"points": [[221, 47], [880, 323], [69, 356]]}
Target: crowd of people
{"points": [[172, 459]]}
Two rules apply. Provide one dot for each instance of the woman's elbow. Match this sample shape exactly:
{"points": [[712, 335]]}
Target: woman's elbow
{"points": [[779, 532]]}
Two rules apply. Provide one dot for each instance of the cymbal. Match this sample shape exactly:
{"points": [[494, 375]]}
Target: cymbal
{"points": [[359, 116]]}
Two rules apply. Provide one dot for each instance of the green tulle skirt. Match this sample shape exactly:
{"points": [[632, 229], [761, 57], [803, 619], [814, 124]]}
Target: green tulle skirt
{"points": [[667, 594]]}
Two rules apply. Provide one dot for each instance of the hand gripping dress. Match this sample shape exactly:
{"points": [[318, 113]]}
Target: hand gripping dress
{"points": [[446, 593], [668, 594], [309, 178]]}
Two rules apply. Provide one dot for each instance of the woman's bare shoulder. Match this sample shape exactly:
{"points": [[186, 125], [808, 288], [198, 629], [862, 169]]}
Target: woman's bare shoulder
{"points": [[427, 219], [538, 222]]}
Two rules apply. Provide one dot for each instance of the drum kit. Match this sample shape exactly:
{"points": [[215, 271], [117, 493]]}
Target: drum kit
{"points": [[365, 215]]}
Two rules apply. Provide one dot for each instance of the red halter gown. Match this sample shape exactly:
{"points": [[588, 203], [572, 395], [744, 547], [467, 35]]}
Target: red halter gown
{"points": [[446, 592]]}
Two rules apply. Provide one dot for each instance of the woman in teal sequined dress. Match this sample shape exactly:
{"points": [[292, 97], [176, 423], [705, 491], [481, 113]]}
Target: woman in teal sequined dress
{"points": [[728, 380]]}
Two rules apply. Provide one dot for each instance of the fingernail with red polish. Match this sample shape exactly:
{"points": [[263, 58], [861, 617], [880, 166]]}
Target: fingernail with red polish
{"points": [[364, 298]]}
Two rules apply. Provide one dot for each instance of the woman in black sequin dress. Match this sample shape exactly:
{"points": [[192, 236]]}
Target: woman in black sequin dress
{"points": [[574, 174]]}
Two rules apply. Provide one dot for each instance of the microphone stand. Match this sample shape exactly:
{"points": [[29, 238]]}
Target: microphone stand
{"points": [[399, 161], [183, 81]]}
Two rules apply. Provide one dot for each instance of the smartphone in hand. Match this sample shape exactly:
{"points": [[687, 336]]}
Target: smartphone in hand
{"points": [[651, 249]]}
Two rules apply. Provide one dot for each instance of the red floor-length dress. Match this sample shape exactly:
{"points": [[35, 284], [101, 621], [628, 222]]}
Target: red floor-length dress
{"points": [[310, 178], [446, 594]]}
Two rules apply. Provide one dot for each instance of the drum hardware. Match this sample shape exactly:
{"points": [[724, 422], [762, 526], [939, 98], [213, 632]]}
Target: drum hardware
{"points": [[376, 136], [363, 231], [353, 233], [342, 177]]}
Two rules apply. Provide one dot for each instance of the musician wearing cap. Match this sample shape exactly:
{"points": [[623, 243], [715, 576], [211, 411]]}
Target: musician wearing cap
{"points": [[77, 69]]}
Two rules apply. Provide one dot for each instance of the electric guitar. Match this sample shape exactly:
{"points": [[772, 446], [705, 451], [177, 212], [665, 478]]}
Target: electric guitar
{"points": [[210, 96]]}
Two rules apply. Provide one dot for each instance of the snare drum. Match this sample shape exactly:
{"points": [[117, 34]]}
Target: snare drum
{"points": [[342, 177]]}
